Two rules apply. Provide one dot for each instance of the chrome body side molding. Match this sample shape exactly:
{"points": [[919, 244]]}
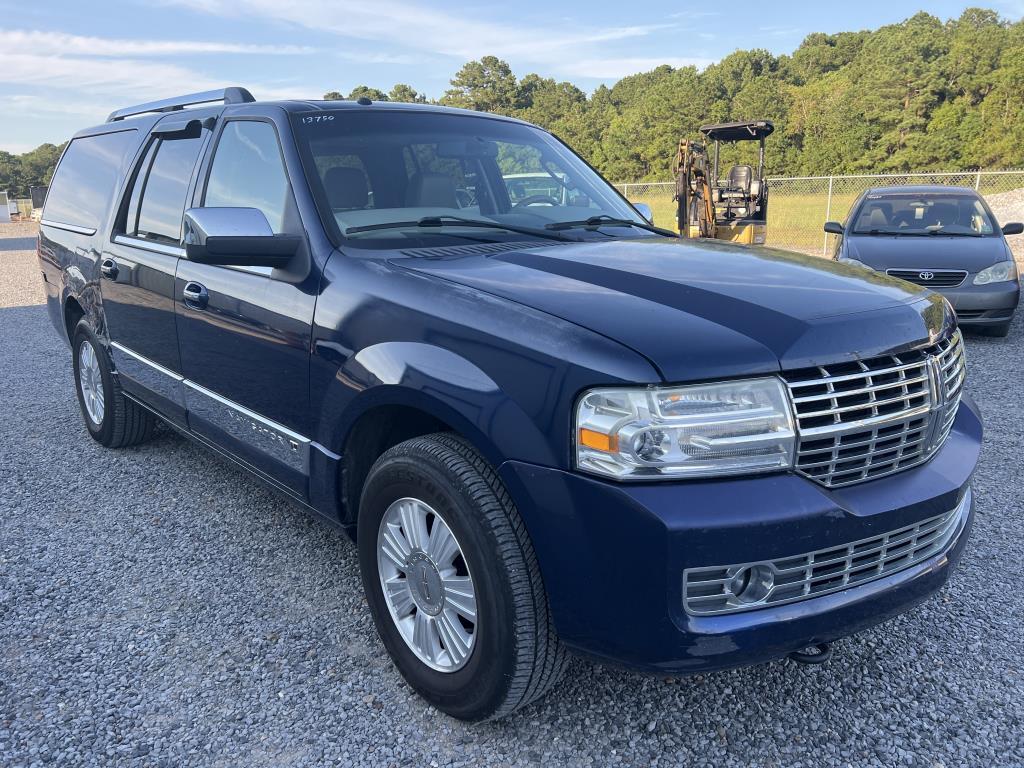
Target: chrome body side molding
{"points": [[264, 435], [149, 374]]}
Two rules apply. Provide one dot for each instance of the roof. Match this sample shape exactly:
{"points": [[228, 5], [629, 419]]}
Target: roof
{"points": [[130, 118], [741, 130], [350, 105]]}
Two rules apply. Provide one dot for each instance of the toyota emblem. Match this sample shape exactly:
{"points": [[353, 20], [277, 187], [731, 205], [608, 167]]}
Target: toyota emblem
{"points": [[926, 275]]}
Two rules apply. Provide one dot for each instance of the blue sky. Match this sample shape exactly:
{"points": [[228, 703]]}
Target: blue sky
{"points": [[65, 64]]}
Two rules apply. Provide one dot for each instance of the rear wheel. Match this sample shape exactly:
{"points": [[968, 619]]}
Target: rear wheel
{"points": [[112, 419], [452, 580]]}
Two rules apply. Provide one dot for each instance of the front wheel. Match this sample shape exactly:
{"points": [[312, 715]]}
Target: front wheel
{"points": [[452, 580]]}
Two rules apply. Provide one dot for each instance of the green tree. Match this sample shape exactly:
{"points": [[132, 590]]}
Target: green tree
{"points": [[487, 85], [406, 93], [365, 91], [917, 95]]}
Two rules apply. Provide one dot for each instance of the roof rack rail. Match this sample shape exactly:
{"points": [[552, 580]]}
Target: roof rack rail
{"points": [[233, 95]]}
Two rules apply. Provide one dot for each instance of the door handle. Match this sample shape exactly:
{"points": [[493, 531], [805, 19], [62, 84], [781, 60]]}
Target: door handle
{"points": [[108, 268], [195, 295]]}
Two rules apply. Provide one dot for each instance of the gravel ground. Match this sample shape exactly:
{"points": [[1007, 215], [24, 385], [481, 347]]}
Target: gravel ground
{"points": [[160, 608]]}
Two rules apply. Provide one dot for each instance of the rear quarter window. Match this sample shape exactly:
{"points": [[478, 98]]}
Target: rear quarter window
{"points": [[84, 183]]}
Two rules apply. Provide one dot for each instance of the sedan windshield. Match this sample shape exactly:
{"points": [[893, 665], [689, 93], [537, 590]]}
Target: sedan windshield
{"points": [[393, 178], [923, 213]]}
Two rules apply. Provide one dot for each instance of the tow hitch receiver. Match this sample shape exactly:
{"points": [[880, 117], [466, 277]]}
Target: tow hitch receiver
{"points": [[819, 654]]}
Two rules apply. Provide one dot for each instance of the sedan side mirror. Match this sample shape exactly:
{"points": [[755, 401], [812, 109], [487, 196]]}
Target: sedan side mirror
{"points": [[1013, 228], [239, 237], [644, 210], [833, 227]]}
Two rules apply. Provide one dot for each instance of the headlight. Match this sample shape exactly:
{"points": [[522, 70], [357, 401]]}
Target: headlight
{"points": [[734, 427], [855, 263], [997, 273]]}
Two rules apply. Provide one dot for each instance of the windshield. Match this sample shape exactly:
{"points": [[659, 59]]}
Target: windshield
{"points": [[379, 175], [923, 213]]}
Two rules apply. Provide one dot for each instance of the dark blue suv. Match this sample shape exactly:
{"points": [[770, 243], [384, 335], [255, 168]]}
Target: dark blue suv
{"points": [[548, 425]]}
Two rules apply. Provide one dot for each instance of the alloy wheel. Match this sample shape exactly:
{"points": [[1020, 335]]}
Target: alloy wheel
{"points": [[91, 381], [427, 585]]}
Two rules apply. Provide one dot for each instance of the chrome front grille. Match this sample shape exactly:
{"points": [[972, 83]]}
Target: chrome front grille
{"points": [[743, 587], [864, 419], [930, 278]]}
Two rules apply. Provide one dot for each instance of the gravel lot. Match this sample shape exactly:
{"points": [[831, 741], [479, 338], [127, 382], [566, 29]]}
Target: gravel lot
{"points": [[159, 608]]}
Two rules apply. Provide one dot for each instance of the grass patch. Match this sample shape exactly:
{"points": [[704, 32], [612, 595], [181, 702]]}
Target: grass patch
{"points": [[794, 220]]}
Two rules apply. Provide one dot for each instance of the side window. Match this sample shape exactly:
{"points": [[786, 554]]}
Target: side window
{"points": [[157, 203], [85, 180], [248, 172]]}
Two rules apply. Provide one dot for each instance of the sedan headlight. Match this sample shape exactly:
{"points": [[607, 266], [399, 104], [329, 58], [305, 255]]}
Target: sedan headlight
{"points": [[855, 263], [997, 273], [727, 428]]}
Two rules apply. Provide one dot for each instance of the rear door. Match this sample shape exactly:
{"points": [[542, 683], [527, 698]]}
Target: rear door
{"points": [[245, 343], [138, 265]]}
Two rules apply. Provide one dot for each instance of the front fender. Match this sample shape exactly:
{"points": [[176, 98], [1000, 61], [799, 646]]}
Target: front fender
{"points": [[438, 382]]}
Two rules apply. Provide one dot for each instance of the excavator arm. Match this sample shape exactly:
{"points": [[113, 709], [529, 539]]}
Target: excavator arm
{"points": [[695, 208]]}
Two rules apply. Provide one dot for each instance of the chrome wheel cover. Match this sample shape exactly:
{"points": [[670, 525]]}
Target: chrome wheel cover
{"points": [[426, 584], [91, 381]]}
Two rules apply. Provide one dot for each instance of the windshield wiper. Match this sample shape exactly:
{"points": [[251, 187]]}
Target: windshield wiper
{"points": [[940, 230], [916, 233], [604, 220], [440, 221]]}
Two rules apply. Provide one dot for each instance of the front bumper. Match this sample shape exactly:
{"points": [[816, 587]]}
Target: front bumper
{"points": [[612, 555], [982, 305]]}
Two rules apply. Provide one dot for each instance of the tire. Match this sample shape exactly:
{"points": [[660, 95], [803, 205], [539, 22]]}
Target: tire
{"points": [[117, 422], [515, 656]]}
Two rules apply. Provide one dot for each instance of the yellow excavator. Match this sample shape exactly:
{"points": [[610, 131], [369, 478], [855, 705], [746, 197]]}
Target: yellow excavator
{"points": [[732, 208]]}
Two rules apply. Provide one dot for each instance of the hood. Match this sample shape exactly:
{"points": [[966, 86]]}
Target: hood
{"points": [[701, 310], [927, 252]]}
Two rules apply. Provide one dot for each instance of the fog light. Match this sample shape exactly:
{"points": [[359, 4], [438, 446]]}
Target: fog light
{"points": [[752, 583]]}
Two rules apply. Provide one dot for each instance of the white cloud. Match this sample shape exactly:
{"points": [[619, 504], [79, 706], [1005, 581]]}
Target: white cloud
{"points": [[61, 44], [106, 76], [779, 31], [408, 25], [99, 75]]}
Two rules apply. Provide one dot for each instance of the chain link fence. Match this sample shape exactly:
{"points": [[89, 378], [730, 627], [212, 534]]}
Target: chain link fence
{"points": [[798, 207]]}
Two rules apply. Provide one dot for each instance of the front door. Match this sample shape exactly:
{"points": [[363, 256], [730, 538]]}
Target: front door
{"points": [[244, 333], [138, 266]]}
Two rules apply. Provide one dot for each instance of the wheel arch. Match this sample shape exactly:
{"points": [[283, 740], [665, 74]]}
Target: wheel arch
{"points": [[73, 312], [384, 417], [409, 389]]}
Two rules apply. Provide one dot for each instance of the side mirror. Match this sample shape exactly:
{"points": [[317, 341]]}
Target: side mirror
{"points": [[239, 237], [1013, 228], [833, 227], [645, 210]]}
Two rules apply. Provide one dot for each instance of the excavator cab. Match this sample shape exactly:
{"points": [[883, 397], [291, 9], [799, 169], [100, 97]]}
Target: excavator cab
{"points": [[733, 207]]}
